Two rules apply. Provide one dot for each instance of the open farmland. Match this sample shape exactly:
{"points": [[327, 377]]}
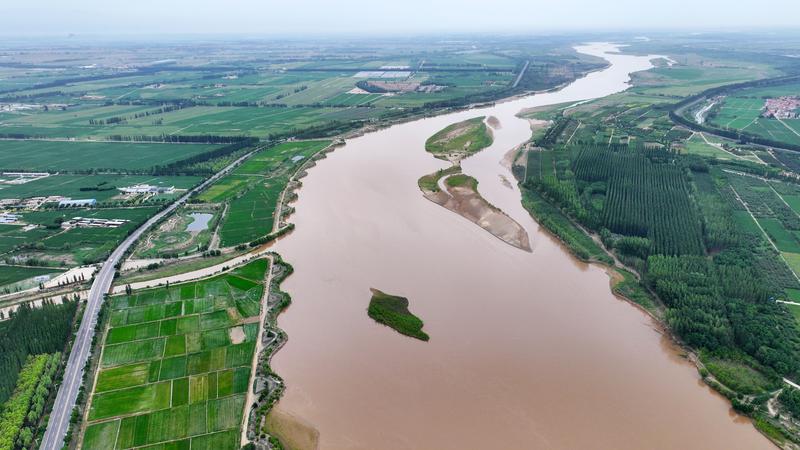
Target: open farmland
{"points": [[689, 78], [13, 274], [193, 121], [252, 190], [66, 155], [741, 110], [74, 246], [99, 187], [176, 364]]}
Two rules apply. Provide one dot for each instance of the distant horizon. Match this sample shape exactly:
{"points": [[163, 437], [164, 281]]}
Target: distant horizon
{"points": [[53, 18], [131, 36]]}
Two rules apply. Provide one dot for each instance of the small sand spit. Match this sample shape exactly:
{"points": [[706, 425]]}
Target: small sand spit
{"points": [[468, 203]]}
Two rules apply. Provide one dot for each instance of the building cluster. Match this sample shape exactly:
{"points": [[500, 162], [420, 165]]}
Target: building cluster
{"points": [[22, 177], [404, 86], [77, 203], [89, 222], [9, 218], [147, 189], [30, 203], [382, 74], [782, 108]]}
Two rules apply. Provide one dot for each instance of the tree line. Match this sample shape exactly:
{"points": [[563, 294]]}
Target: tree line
{"points": [[32, 331]]}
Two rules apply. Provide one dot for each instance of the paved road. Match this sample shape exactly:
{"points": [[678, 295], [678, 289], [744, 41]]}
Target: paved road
{"points": [[521, 73], [81, 349]]}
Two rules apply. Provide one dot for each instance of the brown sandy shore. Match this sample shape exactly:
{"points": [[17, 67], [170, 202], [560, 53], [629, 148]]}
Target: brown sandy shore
{"points": [[465, 201], [293, 432]]}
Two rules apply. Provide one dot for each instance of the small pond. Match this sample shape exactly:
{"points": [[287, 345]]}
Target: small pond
{"points": [[199, 222]]}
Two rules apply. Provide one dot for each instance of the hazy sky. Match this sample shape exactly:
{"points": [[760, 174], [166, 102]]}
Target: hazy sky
{"points": [[348, 16]]}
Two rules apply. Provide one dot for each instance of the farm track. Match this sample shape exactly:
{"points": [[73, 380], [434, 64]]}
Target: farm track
{"points": [[764, 232], [521, 74]]}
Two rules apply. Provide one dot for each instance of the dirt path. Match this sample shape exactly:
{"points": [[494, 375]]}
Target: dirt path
{"points": [[262, 317], [722, 148], [790, 128], [573, 132], [214, 242], [747, 208]]}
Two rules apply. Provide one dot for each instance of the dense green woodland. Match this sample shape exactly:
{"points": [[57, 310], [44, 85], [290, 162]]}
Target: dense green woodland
{"points": [[664, 214], [32, 331], [21, 414]]}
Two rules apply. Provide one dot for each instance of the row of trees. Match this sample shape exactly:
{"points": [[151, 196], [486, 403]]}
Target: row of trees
{"points": [[180, 167], [629, 191], [21, 413], [177, 138], [651, 200], [122, 119], [32, 331]]}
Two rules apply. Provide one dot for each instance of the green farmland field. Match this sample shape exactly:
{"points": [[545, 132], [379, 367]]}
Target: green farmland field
{"points": [[197, 120], [81, 244], [742, 111], [71, 185], [254, 187], [793, 260], [12, 274], [783, 238], [173, 374], [65, 155]]}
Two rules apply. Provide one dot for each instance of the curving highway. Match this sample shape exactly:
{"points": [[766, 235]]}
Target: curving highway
{"points": [[81, 349]]}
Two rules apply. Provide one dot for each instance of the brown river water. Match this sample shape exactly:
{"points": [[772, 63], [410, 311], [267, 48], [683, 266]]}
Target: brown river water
{"points": [[528, 350]]}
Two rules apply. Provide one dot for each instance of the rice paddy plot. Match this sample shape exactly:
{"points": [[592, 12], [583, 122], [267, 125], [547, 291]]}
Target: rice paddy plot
{"points": [[186, 387]]}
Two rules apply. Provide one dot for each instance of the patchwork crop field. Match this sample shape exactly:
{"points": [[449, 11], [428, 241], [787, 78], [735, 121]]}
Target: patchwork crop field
{"points": [[742, 111], [176, 364]]}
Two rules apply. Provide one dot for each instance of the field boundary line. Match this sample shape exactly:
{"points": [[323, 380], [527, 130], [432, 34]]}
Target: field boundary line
{"points": [[765, 233]]}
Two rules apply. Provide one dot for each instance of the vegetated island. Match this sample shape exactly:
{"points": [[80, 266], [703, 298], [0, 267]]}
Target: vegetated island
{"points": [[460, 140], [392, 311], [458, 192]]}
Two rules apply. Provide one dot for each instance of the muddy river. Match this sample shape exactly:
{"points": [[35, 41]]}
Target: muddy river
{"points": [[528, 350]]}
